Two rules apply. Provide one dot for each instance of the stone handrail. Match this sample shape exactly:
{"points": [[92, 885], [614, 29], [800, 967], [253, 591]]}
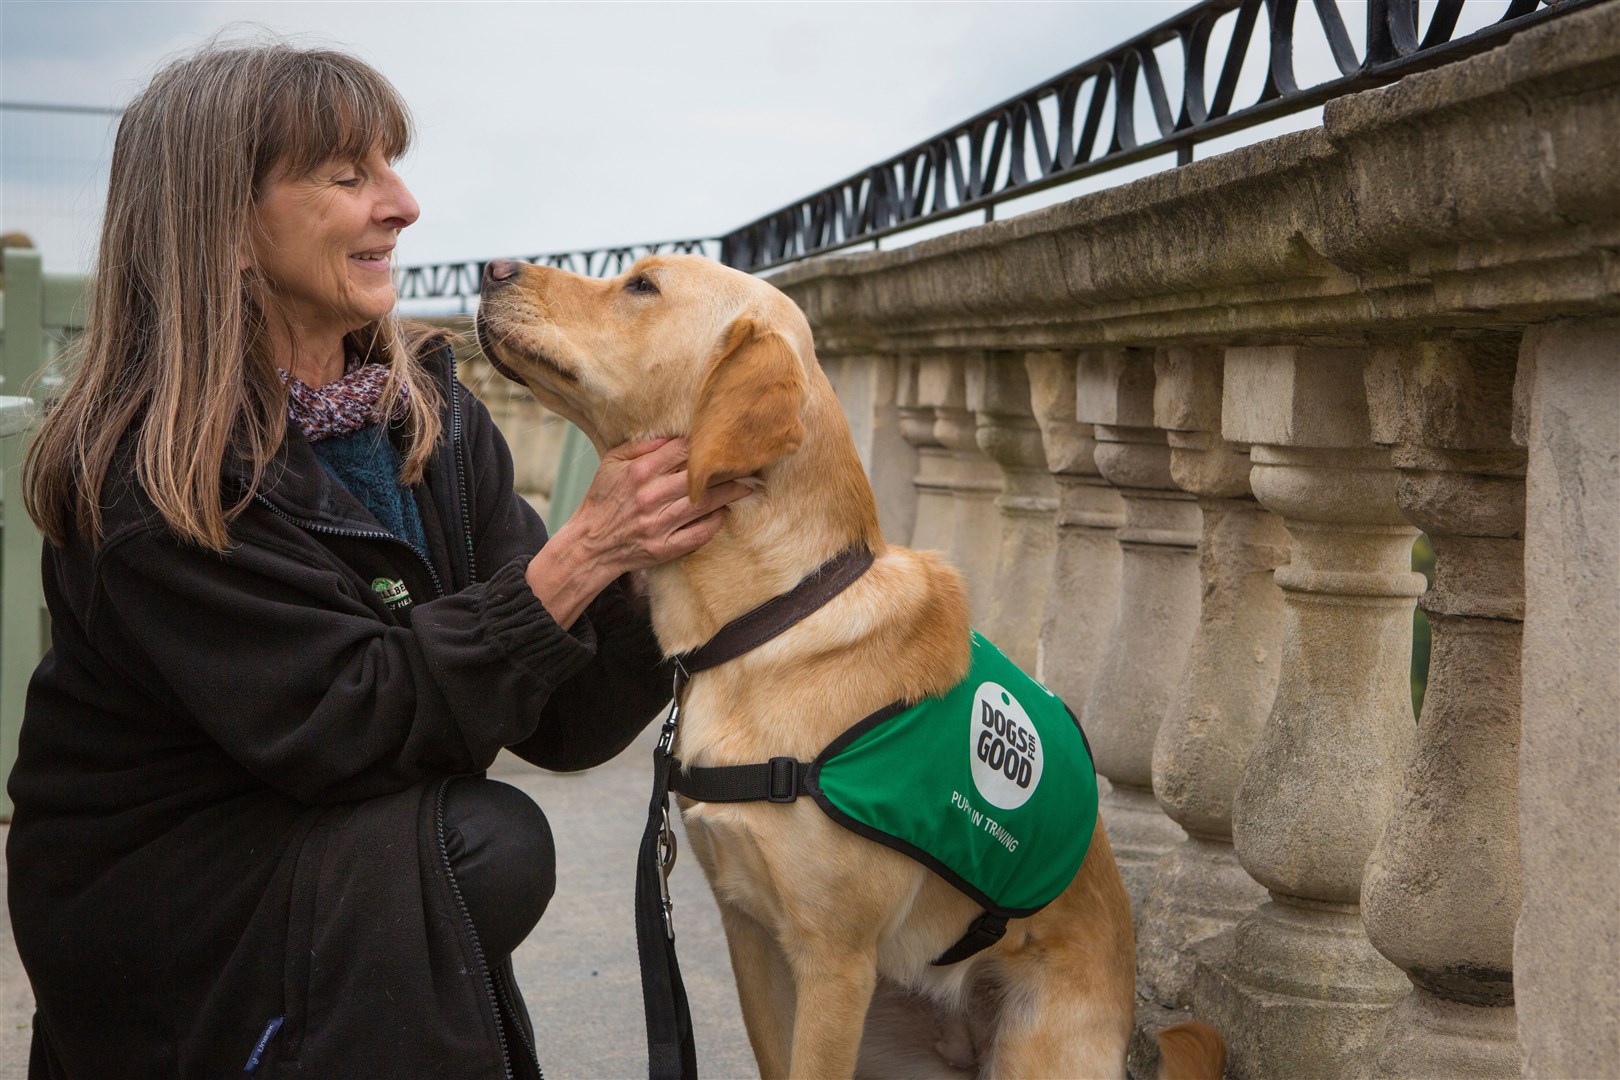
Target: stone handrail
{"points": [[1181, 435]]}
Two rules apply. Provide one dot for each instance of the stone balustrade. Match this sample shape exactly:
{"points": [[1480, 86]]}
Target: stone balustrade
{"points": [[1180, 436]]}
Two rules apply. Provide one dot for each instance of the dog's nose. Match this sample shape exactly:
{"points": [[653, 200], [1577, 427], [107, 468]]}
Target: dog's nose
{"points": [[498, 270]]}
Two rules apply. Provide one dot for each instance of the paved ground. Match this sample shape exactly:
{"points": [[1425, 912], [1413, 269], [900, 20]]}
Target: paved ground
{"points": [[578, 969], [16, 1001]]}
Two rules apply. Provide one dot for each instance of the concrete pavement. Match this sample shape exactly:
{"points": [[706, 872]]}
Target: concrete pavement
{"points": [[578, 969]]}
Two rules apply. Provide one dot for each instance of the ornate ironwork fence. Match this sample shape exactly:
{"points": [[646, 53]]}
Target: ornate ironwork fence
{"points": [[461, 279], [1081, 122]]}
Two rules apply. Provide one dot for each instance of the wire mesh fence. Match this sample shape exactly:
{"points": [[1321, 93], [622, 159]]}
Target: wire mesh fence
{"points": [[53, 177]]}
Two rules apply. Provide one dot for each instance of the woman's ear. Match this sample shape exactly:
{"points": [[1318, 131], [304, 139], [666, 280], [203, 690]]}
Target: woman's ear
{"points": [[747, 413]]}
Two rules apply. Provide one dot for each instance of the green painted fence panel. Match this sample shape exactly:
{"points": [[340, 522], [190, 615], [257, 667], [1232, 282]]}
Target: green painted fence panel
{"points": [[575, 467], [37, 312]]}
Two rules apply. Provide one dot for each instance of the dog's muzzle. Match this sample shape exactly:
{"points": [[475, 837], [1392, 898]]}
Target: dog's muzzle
{"points": [[497, 274], [489, 353]]}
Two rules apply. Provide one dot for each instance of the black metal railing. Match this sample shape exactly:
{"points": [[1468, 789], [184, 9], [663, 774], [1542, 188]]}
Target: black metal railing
{"points": [[445, 280], [1084, 121]]}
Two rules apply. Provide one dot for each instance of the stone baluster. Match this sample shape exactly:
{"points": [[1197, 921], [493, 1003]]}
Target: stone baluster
{"points": [[1296, 987], [1566, 950], [1441, 893], [1082, 600], [1158, 606], [974, 480], [933, 515], [1226, 690], [998, 394], [867, 386]]}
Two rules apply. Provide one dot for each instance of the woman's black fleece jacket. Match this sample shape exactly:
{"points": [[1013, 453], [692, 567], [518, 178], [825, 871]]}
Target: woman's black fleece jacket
{"points": [[229, 779]]}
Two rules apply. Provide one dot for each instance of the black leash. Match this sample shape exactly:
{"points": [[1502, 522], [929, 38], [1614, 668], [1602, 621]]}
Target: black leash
{"points": [[670, 1051]]}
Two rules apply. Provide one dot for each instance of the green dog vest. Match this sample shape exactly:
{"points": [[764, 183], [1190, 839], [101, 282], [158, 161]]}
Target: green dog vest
{"points": [[990, 785]]}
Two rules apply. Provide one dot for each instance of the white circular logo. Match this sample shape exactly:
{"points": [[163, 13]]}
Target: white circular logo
{"points": [[1002, 748]]}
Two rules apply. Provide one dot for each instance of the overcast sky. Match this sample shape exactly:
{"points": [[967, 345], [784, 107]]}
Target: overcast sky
{"points": [[554, 126]]}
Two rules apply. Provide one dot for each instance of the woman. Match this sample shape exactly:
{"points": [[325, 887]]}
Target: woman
{"points": [[297, 609]]}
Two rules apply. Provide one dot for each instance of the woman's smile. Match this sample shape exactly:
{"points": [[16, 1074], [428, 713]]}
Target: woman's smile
{"points": [[375, 260]]}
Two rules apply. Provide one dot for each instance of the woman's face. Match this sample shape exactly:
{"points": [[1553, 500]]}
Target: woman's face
{"points": [[324, 245]]}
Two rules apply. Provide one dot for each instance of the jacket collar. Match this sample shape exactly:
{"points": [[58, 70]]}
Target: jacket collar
{"points": [[296, 483]]}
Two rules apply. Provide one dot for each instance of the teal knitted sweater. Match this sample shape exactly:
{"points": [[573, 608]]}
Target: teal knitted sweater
{"points": [[366, 463]]}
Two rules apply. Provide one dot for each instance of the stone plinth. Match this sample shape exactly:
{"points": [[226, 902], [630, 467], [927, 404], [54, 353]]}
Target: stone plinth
{"points": [[532, 432], [1441, 893], [868, 386], [1477, 198], [933, 515]]}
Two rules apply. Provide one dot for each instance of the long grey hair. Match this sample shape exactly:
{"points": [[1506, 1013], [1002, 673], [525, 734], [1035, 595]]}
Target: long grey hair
{"points": [[175, 353]]}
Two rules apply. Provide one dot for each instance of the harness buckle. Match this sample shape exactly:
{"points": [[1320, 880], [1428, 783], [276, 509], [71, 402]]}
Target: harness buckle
{"points": [[784, 780]]}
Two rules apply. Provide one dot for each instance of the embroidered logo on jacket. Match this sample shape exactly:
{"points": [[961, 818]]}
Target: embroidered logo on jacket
{"points": [[392, 591]]}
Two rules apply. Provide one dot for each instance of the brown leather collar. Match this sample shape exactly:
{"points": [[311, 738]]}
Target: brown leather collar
{"points": [[754, 628]]}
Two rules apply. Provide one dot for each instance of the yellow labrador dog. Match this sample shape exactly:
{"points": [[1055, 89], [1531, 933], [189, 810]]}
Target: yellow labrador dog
{"points": [[831, 935]]}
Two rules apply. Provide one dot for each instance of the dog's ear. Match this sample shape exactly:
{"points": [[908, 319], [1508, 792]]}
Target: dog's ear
{"points": [[747, 413]]}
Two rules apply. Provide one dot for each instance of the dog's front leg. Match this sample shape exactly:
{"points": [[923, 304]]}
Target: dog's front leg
{"points": [[764, 989], [834, 982]]}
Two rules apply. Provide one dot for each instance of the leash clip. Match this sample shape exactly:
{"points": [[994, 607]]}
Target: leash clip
{"points": [[666, 863], [666, 737]]}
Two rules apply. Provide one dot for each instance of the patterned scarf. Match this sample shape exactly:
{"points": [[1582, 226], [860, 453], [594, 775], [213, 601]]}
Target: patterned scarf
{"points": [[340, 407]]}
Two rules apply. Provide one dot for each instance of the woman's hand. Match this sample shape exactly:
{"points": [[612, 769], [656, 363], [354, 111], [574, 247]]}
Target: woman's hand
{"points": [[635, 514]]}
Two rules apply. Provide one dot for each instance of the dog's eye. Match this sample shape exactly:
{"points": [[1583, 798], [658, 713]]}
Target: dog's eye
{"points": [[641, 284]]}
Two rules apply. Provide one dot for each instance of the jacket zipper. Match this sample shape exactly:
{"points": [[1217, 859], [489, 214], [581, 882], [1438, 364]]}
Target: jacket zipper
{"points": [[461, 471], [472, 932], [517, 1028], [461, 498], [358, 534]]}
